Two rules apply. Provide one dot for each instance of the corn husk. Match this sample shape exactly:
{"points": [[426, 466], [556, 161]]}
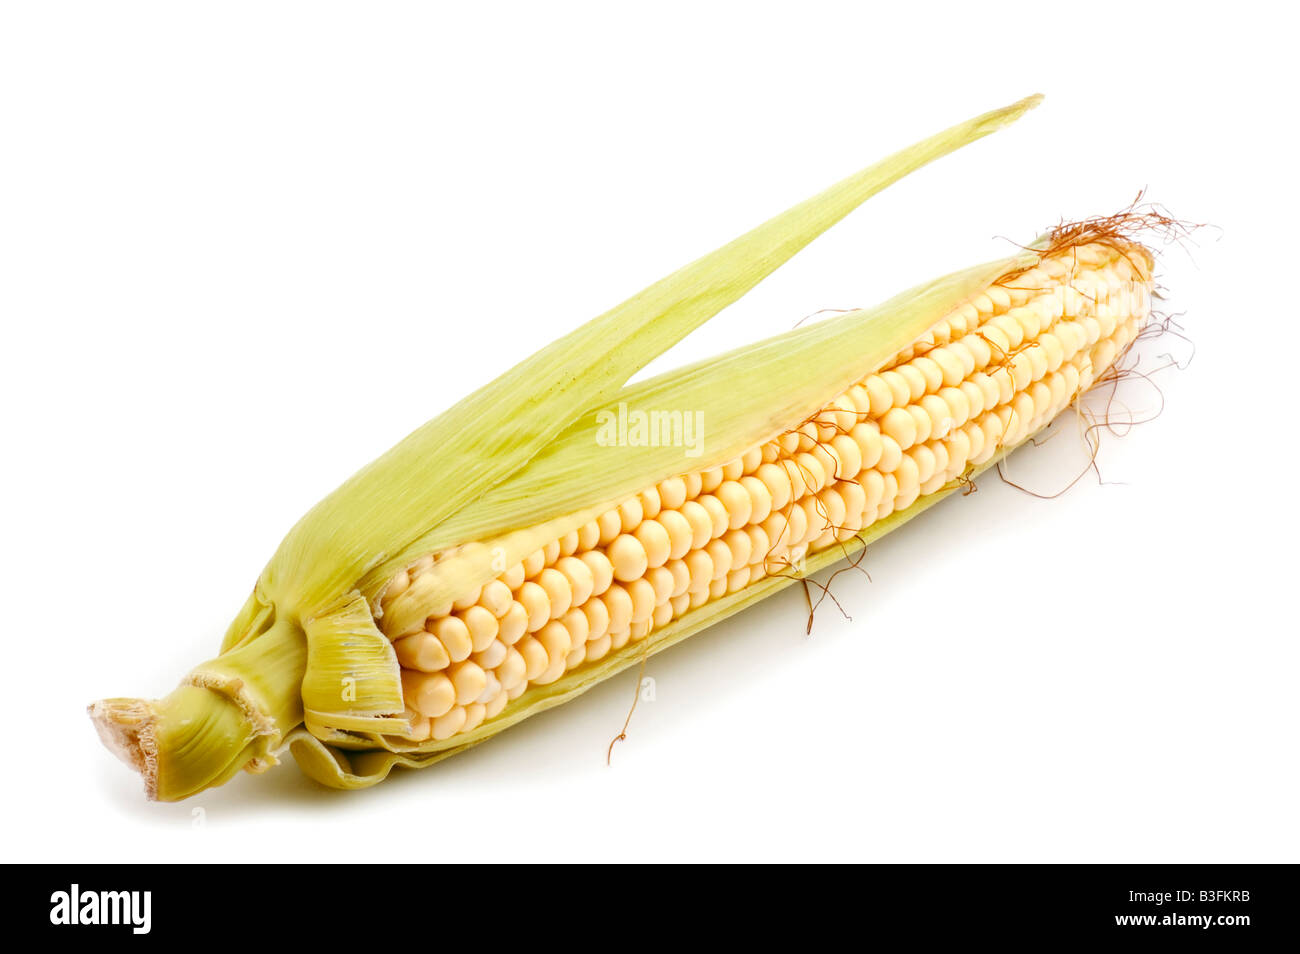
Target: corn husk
{"points": [[499, 474]]}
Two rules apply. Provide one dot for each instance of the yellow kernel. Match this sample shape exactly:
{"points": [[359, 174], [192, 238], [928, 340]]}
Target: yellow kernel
{"points": [[1052, 349], [958, 407], [655, 543], [494, 707], [760, 498], [916, 381], [909, 483], [890, 454], [998, 341], [882, 398], [957, 447], [651, 503], [597, 618], [454, 635], [630, 514], [899, 425], [536, 603], [628, 558], [611, 525], [812, 468], [739, 544], [798, 525], [717, 513], [557, 642], [492, 655], [496, 598], [930, 371], [602, 571], [422, 651], [680, 532], [575, 621], [925, 462], [735, 499], [832, 509], [475, 713], [855, 501], [938, 414], [922, 421], [867, 436], [672, 493], [619, 606], [430, 694], [513, 624], [700, 522], [951, 365], [720, 554], [598, 648], [421, 726], [663, 615], [589, 535], [900, 392], [643, 599], [661, 581], [849, 456], [569, 543], [1010, 326], [777, 482], [989, 388], [578, 578], [513, 670], [482, 626], [681, 575], [700, 565], [999, 296], [872, 485], [447, 725], [469, 679], [534, 563]]}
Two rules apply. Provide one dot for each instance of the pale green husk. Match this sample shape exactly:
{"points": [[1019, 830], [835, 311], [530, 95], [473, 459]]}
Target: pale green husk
{"points": [[521, 453]]}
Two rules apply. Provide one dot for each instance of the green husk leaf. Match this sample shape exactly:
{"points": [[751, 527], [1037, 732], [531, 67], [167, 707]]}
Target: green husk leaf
{"points": [[350, 672]]}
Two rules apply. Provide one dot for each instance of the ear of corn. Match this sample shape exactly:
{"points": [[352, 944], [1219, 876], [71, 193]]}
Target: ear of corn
{"points": [[880, 450], [500, 560]]}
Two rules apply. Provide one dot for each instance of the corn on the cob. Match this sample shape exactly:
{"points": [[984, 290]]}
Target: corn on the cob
{"points": [[437, 598]]}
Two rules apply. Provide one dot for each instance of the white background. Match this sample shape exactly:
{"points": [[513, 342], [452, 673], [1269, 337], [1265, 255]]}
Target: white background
{"points": [[244, 248]]}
